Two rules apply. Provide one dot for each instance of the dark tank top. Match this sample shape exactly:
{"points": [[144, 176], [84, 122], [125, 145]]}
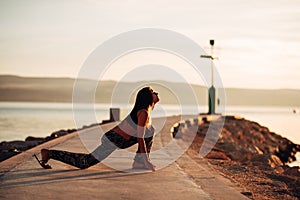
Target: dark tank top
{"points": [[132, 119]]}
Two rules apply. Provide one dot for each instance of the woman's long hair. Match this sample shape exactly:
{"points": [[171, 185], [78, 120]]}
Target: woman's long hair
{"points": [[143, 100]]}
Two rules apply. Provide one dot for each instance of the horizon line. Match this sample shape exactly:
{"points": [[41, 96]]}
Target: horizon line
{"points": [[74, 78]]}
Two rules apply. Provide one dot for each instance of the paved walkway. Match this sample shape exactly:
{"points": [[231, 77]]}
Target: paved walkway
{"points": [[22, 177]]}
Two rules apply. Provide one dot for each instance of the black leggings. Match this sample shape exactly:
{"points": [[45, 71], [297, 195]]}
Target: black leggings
{"points": [[109, 143]]}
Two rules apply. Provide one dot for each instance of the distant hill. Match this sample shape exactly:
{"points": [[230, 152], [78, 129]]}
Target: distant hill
{"points": [[279, 97], [15, 88]]}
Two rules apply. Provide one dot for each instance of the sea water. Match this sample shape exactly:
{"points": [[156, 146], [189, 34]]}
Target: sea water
{"points": [[21, 119]]}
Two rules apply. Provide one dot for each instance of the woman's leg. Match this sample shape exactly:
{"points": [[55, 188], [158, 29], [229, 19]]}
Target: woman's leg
{"points": [[110, 142], [105, 149], [82, 160], [149, 142], [79, 160]]}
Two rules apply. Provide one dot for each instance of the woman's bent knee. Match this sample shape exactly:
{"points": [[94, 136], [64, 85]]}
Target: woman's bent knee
{"points": [[88, 161]]}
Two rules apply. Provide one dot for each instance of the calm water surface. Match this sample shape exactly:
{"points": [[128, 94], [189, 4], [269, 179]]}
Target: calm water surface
{"points": [[21, 119]]}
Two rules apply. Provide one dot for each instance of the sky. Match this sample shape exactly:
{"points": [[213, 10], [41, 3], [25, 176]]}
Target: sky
{"points": [[257, 42]]}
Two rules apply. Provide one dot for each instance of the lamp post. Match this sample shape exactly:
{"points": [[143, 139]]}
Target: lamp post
{"points": [[211, 90]]}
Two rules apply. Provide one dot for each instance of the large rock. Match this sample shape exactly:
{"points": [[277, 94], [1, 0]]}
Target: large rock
{"points": [[266, 159], [292, 171]]}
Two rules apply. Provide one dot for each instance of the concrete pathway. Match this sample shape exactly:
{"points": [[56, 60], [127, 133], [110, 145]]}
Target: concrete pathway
{"points": [[22, 177]]}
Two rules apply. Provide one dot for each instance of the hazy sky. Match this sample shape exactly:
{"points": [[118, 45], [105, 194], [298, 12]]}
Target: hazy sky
{"points": [[257, 41]]}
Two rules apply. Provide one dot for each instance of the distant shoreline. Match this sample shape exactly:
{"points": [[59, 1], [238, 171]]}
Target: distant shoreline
{"points": [[32, 89]]}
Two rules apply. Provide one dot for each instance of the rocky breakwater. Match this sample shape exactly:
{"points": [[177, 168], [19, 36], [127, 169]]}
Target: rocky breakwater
{"points": [[12, 148], [250, 154]]}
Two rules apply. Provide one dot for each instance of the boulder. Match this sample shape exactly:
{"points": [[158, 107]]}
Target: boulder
{"points": [[59, 133], [31, 138], [292, 171]]}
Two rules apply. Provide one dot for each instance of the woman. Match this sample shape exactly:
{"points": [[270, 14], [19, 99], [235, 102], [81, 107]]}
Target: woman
{"points": [[135, 128]]}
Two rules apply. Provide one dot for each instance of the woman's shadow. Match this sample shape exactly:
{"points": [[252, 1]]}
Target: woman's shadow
{"points": [[33, 177]]}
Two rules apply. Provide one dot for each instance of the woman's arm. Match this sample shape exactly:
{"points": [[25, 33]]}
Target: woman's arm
{"points": [[143, 118]]}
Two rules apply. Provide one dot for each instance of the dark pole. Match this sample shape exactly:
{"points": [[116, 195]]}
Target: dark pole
{"points": [[211, 90]]}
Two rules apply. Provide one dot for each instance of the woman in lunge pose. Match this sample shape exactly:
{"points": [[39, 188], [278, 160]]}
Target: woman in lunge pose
{"points": [[135, 128]]}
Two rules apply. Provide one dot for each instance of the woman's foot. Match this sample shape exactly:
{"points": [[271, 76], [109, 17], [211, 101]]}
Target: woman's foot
{"points": [[45, 155], [137, 165]]}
